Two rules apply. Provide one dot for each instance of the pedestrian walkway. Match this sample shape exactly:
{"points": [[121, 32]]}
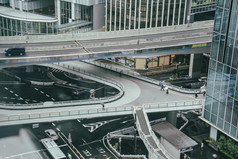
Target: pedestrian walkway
{"points": [[129, 72], [155, 148]]}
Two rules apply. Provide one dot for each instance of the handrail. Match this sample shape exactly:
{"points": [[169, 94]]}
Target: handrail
{"points": [[75, 102], [90, 111], [143, 136], [144, 78], [103, 35]]}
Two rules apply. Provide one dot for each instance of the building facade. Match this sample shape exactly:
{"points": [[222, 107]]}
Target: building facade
{"points": [[21, 17], [136, 14], [221, 104]]}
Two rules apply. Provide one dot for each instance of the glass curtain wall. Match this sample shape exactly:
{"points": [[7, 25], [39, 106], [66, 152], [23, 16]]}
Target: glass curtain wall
{"points": [[12, 27], [221, 106], [135, 14]]}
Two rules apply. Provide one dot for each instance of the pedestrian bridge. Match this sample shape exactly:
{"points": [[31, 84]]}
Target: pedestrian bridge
{"points": [[184, 39], [42, 115], [155, 148]]}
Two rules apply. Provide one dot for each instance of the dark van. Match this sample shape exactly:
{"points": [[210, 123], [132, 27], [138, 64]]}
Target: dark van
{"points": [[15, 51]]}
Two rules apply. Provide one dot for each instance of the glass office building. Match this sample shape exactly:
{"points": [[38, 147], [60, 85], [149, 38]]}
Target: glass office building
{"points": [[221, 104], [135, 14], [24, 17]]}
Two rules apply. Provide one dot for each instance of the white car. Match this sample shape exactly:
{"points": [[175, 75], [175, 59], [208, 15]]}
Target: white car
{"points": [[51, 134]]}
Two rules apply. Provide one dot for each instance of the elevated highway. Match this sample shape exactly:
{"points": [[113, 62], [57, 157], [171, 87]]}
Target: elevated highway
{"points": [[184, 39]]}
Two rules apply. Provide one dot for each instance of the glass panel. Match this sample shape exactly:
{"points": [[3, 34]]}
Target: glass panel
{"points": [[218, 76], [221, 48], [220, 123], [232, 82], [214, 119], [227, 127], [232, 26], [235, 6], [214, 106], [233, 131], [206, 115], [208, 103], [217, 23], [235, 113], [235, 55], [229, 49], [229, 105], [225, 21]]}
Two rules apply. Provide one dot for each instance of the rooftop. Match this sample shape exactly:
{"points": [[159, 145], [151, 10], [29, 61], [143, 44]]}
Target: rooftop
{"points": [[24, 16], [173, 135]]}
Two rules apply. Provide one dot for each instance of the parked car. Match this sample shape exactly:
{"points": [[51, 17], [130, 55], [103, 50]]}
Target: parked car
{"points": [[15, 51], [51, 134]]}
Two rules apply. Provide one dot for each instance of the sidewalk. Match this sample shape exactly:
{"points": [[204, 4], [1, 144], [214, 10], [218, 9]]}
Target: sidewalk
{"points": [[107, 64]]}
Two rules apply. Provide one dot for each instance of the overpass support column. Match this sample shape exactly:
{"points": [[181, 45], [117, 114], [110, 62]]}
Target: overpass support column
{"points": [[172, 117], [13, 4], [20, 5], [213, 133], [73, 9], [58, 11], [29, 68], [195, 68]]}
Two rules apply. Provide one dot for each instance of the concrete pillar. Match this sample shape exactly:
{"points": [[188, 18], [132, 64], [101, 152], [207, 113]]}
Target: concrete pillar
{"points": [[213, 133], [20, 5], [13, 4], [29, 68], [98, 16], [58, 12], [172, 117], [195, 68], [73, 10], [189, 5]]}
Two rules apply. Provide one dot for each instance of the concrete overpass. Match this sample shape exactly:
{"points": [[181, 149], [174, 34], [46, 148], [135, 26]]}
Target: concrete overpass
{"points": [[184, 39], [46, 116]]}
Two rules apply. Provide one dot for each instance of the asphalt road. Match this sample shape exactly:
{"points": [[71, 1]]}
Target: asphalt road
{"points": [[104, 47], [16, 87], [86, 134]]}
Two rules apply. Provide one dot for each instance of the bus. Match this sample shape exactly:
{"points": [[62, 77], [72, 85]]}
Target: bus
{"points": [[53, 148]]}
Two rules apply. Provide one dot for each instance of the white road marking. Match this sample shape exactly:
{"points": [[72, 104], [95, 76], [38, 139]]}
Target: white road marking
{"points": [[78, 120], [41, 92], [6, 88], [36, 89], [47, 95], [86, 143], [11, 91], [53, 124], [93, 126], [16, 95], [58, 129]]}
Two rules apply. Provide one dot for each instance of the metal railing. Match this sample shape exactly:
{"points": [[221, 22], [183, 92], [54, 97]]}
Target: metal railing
{"points": [[102, 35], [49, 104], [144, 78], [119, 110], [144, 136]]}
